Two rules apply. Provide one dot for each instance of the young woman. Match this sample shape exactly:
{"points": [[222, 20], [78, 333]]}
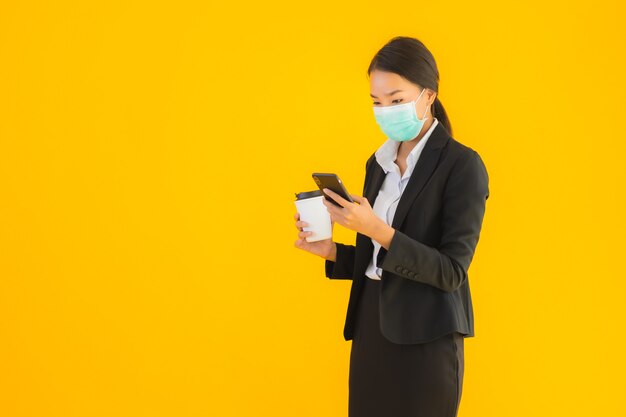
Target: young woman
{"points": [[417, 225]]}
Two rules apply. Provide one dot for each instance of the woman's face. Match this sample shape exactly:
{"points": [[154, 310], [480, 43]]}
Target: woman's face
{"points": [[388, 89]]}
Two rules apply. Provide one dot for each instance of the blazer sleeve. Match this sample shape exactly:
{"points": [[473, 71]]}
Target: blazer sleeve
{"points": [[463, 209], [343, 267]]}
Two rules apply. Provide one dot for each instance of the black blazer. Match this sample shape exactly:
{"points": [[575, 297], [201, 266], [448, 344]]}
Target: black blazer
{"points": [[424, 290]]}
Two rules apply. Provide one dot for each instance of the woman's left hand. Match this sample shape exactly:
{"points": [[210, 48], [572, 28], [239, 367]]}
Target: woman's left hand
{"points": [[358, 217]]}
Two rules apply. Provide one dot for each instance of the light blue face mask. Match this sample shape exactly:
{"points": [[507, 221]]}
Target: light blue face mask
{"points": [[400, 122]]}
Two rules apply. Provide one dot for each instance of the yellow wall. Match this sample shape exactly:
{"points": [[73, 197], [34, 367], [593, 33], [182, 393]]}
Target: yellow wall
{"points": [[149, 152]]}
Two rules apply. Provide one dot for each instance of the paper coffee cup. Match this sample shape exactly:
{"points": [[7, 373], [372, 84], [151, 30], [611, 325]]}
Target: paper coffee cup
{"points": [[313, 211]]}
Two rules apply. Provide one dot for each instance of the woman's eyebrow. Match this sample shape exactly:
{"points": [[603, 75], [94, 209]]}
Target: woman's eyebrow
{"points": [[390, 94]]}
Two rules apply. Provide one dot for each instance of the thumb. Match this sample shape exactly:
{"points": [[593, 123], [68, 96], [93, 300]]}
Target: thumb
{"points": [[359, 199]]}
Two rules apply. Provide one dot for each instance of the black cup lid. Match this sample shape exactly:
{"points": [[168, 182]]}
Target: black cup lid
{"points": [[308, 194]]}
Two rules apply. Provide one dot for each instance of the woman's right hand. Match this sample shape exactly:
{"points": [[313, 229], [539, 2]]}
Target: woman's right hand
{"points": [[325, 248]]}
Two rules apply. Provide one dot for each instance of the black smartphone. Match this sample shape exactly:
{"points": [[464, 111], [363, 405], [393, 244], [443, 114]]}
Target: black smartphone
{"points": [[332, 182]]}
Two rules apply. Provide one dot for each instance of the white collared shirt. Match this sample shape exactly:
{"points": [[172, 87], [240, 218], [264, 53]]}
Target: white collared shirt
{"points": [[393, 186]]}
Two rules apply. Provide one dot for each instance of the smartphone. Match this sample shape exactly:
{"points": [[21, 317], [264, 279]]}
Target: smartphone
{"points": [[332, 182]]}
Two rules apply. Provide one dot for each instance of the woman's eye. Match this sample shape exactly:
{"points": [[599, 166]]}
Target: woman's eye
{"points": [[393, 101]]}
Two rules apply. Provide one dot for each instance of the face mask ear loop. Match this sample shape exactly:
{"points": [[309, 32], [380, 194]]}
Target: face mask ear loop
{"points": [[425, 111], [417, 99]]}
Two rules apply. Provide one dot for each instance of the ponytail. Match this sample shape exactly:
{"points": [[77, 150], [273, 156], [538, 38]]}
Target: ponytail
{"points": [[440, 113]]}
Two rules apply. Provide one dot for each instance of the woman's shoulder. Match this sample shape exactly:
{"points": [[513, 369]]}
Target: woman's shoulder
{"points": [[459, 149], [465, 161]]}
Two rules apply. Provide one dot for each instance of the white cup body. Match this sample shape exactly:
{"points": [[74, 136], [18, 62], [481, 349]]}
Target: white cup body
{"points": [[314, 212]]}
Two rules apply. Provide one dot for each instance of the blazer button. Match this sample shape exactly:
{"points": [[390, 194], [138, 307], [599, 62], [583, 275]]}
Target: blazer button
{"points": [[405, 270]]}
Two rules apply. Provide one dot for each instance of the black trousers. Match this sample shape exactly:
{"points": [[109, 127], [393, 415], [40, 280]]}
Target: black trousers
{"points": [[392, 380]]}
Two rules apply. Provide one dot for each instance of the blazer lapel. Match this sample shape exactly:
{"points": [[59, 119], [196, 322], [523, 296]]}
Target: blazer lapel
{"points": [[426, 164], [375, 182]]}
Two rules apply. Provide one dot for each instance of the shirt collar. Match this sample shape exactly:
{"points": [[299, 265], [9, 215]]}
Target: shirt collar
{"points": [[387, 153]]}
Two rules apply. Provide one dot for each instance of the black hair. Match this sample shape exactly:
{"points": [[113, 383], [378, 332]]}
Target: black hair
{"points": [[409, 58]]}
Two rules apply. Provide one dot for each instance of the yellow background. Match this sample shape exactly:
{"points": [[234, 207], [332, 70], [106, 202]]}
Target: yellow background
{"points": [[149, 152]]}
